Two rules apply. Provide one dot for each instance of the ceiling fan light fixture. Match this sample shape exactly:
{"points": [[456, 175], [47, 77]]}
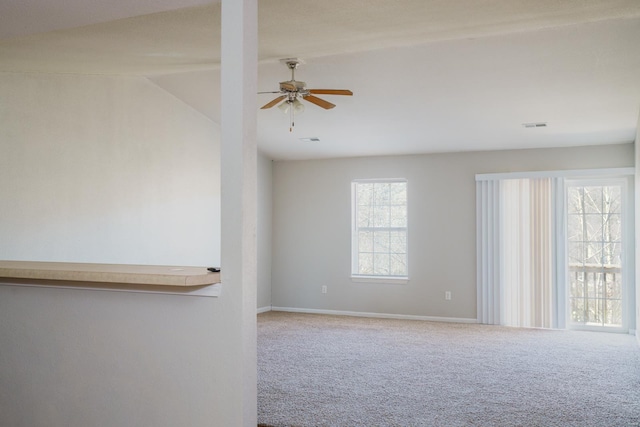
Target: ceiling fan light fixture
{"points": [[298, 107], [284, 107]]}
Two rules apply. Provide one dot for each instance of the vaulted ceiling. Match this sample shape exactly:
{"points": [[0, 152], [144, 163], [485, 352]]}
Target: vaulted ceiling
{"points": [[427, 75]]}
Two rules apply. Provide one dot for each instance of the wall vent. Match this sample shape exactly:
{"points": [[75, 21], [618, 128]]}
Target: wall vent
{"points": [[535, 125], [311, 139]]}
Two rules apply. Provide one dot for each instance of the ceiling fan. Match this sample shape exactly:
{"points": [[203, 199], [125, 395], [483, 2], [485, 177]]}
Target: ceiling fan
{"points": [[292, 91]]}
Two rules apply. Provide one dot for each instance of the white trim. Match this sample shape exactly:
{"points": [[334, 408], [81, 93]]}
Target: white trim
{"points": [[571, 173], [375, 315], [597, 328], [373, 180], [213, 290], [391, 280], [264, 309], [560, 310]]}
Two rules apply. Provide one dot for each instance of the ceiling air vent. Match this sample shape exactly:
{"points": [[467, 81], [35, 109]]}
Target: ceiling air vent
{"points": [[535, 125], [312, 139]]}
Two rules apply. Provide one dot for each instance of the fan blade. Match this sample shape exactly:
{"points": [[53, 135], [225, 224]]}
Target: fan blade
{"points": [[331, 91], [275, 91], [272, 103], [319, 102]]}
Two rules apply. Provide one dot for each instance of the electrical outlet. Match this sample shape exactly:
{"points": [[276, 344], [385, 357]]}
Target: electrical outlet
{"points": [[324, 289], [447, 295]]}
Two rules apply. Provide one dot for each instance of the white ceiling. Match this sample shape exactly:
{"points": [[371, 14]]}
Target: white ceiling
{"points": [[427, 75]]}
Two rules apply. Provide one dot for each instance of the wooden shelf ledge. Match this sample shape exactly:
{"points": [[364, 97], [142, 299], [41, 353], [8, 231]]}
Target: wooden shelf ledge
{"points": [[116, 277]]}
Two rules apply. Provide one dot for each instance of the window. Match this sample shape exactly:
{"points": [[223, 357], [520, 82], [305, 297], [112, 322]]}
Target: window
{"points": [[595, 250], [379, 241]]}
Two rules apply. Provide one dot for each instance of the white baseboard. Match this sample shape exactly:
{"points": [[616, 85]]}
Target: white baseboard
{"points": [[264, 309], [376, 315]]}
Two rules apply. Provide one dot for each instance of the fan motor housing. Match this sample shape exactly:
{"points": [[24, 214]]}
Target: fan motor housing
{"points": [[286, 86]]}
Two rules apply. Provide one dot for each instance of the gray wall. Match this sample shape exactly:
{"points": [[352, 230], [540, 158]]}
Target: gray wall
{"points": [[78, 358], [312, 227], [265, 219], [106, 169]]}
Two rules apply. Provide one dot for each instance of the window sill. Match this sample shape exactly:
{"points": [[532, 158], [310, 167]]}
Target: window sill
{"points": [[380, 279]]}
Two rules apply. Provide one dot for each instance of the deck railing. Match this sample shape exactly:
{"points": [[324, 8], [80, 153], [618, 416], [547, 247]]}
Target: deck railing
{"points": [[596, 294]]}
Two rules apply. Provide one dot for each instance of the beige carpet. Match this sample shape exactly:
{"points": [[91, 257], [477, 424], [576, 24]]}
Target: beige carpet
{"points": [[316, 370]]}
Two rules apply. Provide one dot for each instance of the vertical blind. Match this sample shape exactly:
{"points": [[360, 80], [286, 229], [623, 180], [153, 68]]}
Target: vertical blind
{"points": [[526, 260], [515, 252], [488, 250]]}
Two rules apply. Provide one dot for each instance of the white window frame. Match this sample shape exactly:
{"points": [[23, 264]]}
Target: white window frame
{"points": [[628, 266], [376, 278]]}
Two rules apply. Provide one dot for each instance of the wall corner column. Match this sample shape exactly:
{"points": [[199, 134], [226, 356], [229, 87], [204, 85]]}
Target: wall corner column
{"points": [[239, 203]]}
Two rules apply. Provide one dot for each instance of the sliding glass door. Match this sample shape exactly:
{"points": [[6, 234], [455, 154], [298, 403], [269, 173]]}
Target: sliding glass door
{"points": [[596, 269], [555, 250]]}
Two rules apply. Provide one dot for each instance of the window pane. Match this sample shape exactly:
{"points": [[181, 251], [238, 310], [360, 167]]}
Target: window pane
{"points": [[576, 253], [381, 242], [611, 199], [399, 264], [612, 230], [398, 192], [574, 200], [614, 285], [577, 284], [382, 195], [365, 264], [594, 285], [593, 308], [614, 313], [364, 194], [381, 218], [365, 241], [615, 253], [398, 242], [592, 200], [575, 228], [398, 216], [577, 310], [607, 253], [365, 217], [593, 253], [381, 264], [594, 227]]}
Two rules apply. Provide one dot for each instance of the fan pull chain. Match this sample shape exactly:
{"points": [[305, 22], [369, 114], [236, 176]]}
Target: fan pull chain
{"points": [[291, 116]]}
